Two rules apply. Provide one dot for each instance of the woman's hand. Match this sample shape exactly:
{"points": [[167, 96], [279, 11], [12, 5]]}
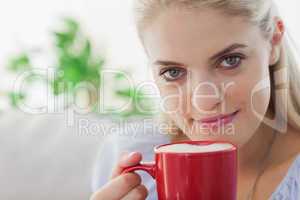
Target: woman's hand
{"points": [[126, 186]]}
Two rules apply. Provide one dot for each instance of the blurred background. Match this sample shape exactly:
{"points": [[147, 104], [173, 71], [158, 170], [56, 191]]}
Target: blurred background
{"points": [[47, 49]]}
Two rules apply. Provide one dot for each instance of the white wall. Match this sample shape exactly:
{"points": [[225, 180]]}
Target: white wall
{"points": [[27, 23], [109, 23]]}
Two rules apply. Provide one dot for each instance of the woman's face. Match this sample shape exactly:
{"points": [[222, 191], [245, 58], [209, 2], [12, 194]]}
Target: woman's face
{"points": [[208, 65]]}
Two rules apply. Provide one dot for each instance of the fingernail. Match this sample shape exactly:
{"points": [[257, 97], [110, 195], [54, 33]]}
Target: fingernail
{"points": [[132, 153], [125, 158]]}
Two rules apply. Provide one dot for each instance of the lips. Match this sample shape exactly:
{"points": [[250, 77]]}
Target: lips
{"points": [[224, 119]]}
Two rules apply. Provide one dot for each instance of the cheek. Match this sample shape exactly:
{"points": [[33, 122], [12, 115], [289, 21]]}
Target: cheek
{"points": [[251, 90], [171, 99], [259, 86], [259, 100], [258, 96], [174, 104], [252, 96]]}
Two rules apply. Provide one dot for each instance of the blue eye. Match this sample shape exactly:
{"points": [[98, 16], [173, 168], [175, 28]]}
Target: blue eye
{"points": [[172, 74], [231, 62]]}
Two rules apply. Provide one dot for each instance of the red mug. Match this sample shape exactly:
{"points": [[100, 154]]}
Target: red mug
{"points": [[208, 175]]}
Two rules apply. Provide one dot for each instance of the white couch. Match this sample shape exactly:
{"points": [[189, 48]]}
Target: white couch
{"points": [[41, 158]]}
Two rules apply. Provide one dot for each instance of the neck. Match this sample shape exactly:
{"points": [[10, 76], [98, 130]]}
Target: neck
{"points": [[251, 154], [290, 139]]}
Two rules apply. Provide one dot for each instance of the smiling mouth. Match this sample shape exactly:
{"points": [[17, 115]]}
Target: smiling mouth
{"points": [[220, 119]]}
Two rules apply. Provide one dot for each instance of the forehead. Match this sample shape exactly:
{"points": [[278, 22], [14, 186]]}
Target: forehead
{"points": [[178, 34]]}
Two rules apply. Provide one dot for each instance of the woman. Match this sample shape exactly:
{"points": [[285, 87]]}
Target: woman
{"points": [[226, 59]]}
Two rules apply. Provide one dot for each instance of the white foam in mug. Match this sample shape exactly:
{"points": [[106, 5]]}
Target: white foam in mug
{"points": [[195, 148]]}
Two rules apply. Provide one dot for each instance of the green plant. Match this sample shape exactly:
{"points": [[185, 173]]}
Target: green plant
{"points": [[141, 104], [74, 59], [76, 62], [17, 64]]}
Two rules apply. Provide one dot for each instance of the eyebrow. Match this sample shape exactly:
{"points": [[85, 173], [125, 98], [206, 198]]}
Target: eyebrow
{"points": [[215, 56], [227, 50]]}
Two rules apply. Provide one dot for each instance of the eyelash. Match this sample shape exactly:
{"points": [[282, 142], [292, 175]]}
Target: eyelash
{"points": [[222, 59], [240, 56], [164, 71]]}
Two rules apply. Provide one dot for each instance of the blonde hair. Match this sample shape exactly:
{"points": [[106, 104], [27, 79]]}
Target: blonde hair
{"points": [[284, 74]]}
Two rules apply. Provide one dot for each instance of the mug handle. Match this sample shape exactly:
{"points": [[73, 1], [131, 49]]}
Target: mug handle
{"points": [[148, 167]]}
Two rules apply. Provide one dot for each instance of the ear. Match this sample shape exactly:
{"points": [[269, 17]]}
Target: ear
{"points": [[276, 41]]}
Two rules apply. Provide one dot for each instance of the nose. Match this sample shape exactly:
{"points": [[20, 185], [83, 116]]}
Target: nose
{"points": [[205, 97]]}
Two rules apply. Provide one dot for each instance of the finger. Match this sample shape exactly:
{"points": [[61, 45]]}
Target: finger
{"points": [[138, 193], [118, 187], [126, 160]]}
